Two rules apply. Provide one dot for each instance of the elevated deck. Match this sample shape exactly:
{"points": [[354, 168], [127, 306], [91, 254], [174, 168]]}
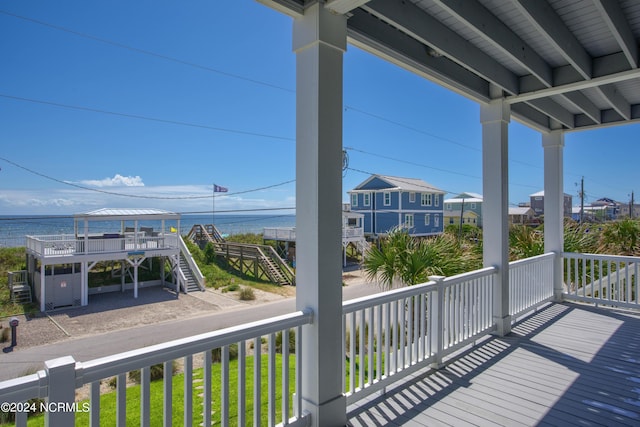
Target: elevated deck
{"points": [[568, 364]]}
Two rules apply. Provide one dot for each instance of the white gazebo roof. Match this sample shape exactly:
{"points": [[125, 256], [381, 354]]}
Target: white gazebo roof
{"points": [[106, 214]]}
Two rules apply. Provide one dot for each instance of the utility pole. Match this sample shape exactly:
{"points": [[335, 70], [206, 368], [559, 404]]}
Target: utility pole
{"points": [[461, 217], [631, 206], [581, 200]]}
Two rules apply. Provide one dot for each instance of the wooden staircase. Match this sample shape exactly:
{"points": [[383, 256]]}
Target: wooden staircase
{"points": [[192, 283], [19, 287], [267, 263]]}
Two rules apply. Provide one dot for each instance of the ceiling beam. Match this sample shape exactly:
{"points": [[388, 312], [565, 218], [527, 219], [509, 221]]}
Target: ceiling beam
{"points": [[542, 16], [372, 35], [579, 85], [343, 6], [410, 19], [292, 8], [619, 26], [491, 29], [616, 99], [554, 110], [580, 101]]}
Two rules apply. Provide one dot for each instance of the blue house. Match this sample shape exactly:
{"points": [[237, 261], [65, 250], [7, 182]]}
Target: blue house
{"points": [[388, 202]]}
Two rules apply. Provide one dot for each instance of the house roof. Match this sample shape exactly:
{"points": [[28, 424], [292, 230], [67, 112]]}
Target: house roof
{"points": [[541, 193], [473, 198], [561, 64], [521, 211], [400, 183], [105, 214]]}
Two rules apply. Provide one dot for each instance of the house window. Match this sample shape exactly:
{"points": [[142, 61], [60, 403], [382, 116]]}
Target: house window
{"points": [[412, 197], [437, 200], [354, 200], [425, 199], [436, 221], [449, 207], [387, 199], [427, 219], [473, 205], [408, 220], [450, 220], [367, 199]]}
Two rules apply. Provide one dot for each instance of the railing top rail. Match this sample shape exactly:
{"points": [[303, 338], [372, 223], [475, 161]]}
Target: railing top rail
{"points": [[624, 258], [409, 291], [100, 368], [532, 259], [23, 388]]}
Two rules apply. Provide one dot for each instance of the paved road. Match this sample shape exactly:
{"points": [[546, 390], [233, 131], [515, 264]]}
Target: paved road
{"points": [[17, 363]]}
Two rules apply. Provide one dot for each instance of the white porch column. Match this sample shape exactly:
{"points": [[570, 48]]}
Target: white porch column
{"points": [[553, 144], [495, 186], [319, 41]]}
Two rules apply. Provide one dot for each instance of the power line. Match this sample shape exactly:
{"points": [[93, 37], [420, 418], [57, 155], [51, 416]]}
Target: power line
{"points": [[139, 117], [138, 196], [146, 52]]}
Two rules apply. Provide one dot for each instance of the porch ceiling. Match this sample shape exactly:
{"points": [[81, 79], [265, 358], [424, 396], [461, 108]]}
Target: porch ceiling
{"points": [[561, 64]]}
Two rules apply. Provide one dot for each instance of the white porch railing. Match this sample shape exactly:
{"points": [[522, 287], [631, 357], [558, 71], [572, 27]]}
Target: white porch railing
{"points": [[59, 381], [530, 283], [389, 335], [279, 233], [61, 245], [602, 279]]}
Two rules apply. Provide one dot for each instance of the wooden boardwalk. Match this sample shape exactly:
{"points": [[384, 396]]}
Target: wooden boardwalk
{"points": [[567, 364]]}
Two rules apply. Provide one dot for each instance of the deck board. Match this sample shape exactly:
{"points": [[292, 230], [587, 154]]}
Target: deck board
{"points": [[567, 364]]}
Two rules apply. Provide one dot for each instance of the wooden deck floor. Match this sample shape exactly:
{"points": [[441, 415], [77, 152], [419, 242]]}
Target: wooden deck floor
{"points": [[565, 365]]}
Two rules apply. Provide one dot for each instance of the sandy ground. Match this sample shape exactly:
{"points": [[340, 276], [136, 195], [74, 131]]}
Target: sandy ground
{"points": [[116, 311]]}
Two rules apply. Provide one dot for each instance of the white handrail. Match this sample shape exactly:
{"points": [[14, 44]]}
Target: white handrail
{"points": [[197, 274]]}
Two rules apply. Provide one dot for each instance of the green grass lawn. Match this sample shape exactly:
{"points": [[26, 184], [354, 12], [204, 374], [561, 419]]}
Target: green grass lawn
{"points": [[108, 400]]}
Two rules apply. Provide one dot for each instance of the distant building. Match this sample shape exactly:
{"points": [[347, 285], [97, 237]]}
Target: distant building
{"points": [[626, 211], [388, 202], [467, 205], [521, 216], [537, 203], [610, 209]]}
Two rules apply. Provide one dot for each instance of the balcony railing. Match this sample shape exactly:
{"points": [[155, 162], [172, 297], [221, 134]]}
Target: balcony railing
{"points": [[602, 279], [61, 377], [289, 233], [63, 245], [385, 338]]}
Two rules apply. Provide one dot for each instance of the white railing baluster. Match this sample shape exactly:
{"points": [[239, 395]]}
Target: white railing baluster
{"points": [[167, 394], [145, 396], [409, 320], [299, 338], [344, 353], [379, 343], [371, 327], [121, 396], [387, 338], [271, 380], [94, 415], [242, 378], [224, 386], [257, 372], [207, 385], [361, 350], [188, 390], [285, 376], [352, 353]]}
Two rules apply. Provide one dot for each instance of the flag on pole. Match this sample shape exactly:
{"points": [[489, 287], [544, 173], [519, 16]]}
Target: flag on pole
{"points": [[218, 189]]}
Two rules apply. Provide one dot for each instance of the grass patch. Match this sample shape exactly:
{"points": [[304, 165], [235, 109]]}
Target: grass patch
{"points": [[11, 259], [108, 400]]}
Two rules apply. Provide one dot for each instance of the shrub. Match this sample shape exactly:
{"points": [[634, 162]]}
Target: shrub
{"points": [[4, 334], [157, 372], [247, 294], [216, 353], [292, 341]]}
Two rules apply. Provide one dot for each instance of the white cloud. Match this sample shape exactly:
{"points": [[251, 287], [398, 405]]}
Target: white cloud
{"points": [[117, 181]]}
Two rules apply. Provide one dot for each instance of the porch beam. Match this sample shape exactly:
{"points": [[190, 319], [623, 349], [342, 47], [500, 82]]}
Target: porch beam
{"points": [[319, 41], [553, 145], [495, 118]]}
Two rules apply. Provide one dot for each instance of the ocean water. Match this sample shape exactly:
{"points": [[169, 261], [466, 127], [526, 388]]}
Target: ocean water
{"points": [[13, 229]]}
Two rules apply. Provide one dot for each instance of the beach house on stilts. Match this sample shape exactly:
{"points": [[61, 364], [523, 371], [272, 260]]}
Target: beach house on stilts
{"points": [[120, 242]]}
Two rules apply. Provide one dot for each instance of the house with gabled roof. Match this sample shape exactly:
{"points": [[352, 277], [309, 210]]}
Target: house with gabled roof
{"points": [[466, 206], [388, 202]]}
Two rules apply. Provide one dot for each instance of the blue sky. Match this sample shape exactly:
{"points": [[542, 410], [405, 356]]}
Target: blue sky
{"points": [[158, 100]]}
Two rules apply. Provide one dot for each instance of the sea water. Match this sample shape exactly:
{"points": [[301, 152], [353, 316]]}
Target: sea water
{"points": [[13, 229]]}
